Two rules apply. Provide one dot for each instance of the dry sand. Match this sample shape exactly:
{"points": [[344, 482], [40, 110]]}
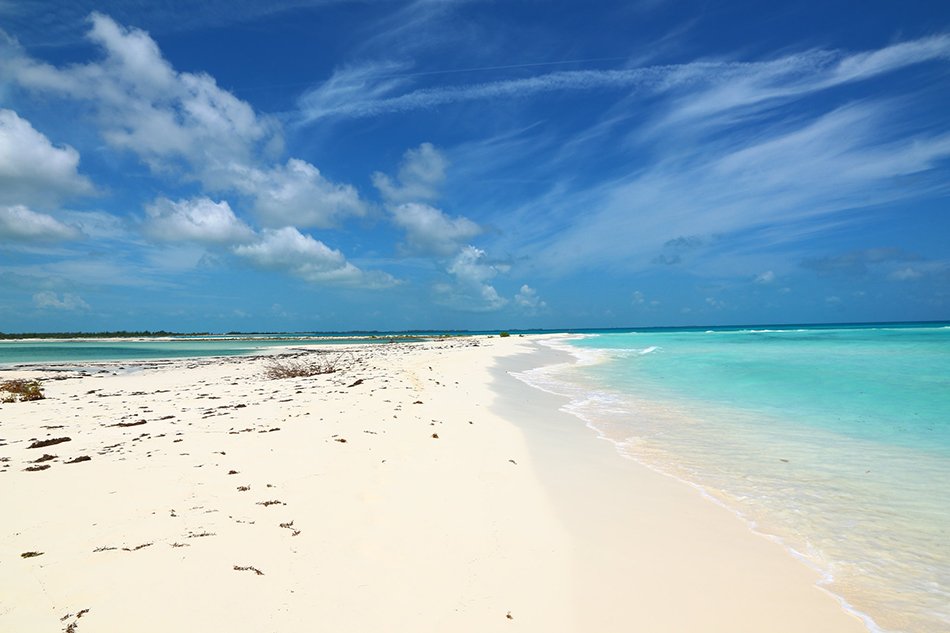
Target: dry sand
{"points": [[438, 494]]}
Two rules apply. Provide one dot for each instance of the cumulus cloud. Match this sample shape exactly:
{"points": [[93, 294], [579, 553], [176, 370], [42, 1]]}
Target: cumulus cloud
{"points": [[472, 272], [32, 169], [765, 278], [287, 249], [18, 223], [49, 300], [528, 299], [195, 220], [421, 173], [297, 194], [429, 231], [183, 123], [144, 105]]}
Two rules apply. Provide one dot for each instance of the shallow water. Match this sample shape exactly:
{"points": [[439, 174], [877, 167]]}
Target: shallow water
{"points": [[60, 350], [834, 441]]}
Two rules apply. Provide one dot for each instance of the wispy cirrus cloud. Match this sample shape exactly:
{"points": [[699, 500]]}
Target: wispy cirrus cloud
{"points": [[45, 24], [374, 89], [779, 181]]}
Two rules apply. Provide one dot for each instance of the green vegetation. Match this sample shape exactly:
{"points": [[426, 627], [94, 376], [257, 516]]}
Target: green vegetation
{"points": [[117, 334], [20, 390], [504, 334]]}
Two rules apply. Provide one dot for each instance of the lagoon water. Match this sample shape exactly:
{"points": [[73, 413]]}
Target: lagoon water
{"points": [[32, 351], [834, 441]]}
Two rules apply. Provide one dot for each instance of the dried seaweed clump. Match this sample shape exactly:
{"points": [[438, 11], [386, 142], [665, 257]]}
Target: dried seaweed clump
{"points": [[284, 368], [20, 390]]}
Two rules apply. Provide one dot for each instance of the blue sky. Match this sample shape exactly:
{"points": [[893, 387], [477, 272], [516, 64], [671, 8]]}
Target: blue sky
{"points": [[324, 165]]}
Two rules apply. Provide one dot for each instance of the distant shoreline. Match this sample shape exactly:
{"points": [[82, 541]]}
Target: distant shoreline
{"points": [[433, 333]]}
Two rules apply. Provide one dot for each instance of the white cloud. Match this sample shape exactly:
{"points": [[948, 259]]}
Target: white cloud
{"points": [[528, 299], [784, 182], [70, 302], [32, 169], [765, 278], [638, 297], [287, 249], [421, 173], [430, 232], [145, 106], [183, 123], [905, 274], [371, 90], [472, 291], [19, 223], [297, 194], [196, 220]]}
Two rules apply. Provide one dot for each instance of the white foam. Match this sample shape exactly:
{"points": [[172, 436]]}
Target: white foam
{"points": [[588, 404]]}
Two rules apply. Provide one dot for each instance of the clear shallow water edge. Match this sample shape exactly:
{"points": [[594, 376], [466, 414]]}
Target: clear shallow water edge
{"points": [[834, 441]]}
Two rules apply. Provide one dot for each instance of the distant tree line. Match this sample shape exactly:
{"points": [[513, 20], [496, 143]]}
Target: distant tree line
{"points": [[118, 334]]}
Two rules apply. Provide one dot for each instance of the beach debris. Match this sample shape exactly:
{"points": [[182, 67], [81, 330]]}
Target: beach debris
{"points": [[513, 462], [176, 544], [30, 554], [435, 436], [358, 381], [73, 626], [37, 467], [51, 442], [104, 548], [290, 526], [81, 458], [282, 368], [509, 616], [137, 547], [249, 568], [272, 502], [243, 488], [20, 390], [417, 402], [341, 440], [199, 534], [232, 472], [136, 423], [45, 458]]}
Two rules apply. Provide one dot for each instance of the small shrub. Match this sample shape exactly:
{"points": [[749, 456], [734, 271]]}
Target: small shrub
{"points": [[504, 335], [282, 368], [20, 390]]}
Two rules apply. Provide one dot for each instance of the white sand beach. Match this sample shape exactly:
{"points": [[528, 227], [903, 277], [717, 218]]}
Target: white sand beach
{"points": [[420, 488]]}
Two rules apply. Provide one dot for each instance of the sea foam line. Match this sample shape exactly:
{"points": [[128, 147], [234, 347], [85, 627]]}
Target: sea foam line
{"points": [[543, 378]]}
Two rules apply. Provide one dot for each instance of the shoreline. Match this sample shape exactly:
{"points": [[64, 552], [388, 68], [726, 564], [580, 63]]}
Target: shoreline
{"points": [[421, 488], [612, 487]]}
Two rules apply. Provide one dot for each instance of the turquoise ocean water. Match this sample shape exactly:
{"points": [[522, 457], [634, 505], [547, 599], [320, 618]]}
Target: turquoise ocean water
{"points": [[834, 441], [15, 352]]}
